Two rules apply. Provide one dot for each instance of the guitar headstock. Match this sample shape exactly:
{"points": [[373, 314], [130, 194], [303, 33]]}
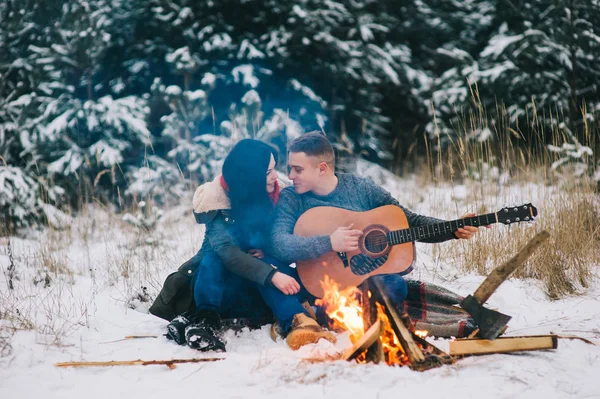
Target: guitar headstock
{"points": [[515, 214]]}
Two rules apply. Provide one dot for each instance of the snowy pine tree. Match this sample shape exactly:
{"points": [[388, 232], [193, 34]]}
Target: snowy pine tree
{"points": [[82, 139], [540, 59], [143, 97], [23, 25]]}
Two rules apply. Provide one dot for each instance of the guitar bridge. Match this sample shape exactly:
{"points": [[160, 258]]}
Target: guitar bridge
{"points": [[362, 264], [344, 258]]}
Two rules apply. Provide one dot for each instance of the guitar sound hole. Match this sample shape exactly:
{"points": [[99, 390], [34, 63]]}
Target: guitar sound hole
{"points": [[376, 241]]}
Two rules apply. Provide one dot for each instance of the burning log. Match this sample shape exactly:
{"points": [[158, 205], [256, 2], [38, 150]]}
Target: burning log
{"points": [[375, 350], [420, 353], [410, 348], [435, 353], [370, 337], [466, 347]]}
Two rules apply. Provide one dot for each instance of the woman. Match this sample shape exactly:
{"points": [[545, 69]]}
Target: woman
{"points": [[237, 209]]}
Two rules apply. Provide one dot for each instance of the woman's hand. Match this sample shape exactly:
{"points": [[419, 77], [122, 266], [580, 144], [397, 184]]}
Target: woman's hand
{"points": [[257, 253], [286, 284]]}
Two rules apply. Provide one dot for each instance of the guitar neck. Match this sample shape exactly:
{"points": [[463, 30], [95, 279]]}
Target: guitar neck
{"points": [[438, 230]]}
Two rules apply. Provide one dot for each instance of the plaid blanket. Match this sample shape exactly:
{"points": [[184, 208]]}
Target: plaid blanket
{"points": [[434, 309]]}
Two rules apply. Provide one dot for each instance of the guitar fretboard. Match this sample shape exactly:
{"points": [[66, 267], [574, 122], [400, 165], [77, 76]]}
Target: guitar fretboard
{"points": [[438, 229]]}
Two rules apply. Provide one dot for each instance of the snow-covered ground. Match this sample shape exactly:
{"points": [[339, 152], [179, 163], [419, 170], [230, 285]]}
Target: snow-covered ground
{"points": [[81, 313]]}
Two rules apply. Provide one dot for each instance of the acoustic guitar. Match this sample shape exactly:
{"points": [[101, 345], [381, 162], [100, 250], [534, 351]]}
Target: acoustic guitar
{"points": [[386, 246]]}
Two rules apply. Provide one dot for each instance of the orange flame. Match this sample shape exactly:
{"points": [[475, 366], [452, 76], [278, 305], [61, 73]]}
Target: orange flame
{"points": [[421, 333], [392, 348], [343, 308], [346, 313]]}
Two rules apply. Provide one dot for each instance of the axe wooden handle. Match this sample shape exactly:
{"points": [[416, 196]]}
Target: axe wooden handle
{"points": [[501, 273]]}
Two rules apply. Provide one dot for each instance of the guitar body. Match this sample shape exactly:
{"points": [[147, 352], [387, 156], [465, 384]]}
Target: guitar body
{"points": [[374, 256]]}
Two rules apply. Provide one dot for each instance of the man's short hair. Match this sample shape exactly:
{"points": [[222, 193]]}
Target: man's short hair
{"points": [[316, 145]]}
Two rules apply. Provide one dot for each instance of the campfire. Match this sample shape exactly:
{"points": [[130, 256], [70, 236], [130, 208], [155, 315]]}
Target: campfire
{"points": [[380, 333], [358, 312]]}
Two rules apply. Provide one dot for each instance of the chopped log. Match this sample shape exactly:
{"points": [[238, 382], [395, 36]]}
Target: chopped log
{"points": [[139, 362], [466, 347], [375, 350], [370, 336], [412, 350]]}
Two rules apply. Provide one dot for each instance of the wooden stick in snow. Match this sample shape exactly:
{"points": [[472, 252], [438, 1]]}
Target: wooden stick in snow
{"points": [[169, 363], [129, 337]]}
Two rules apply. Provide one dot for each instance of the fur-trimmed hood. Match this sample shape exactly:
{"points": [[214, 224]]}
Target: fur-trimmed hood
{"points": [[211, 198]]}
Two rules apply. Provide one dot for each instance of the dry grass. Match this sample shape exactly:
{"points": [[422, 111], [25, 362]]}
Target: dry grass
{"points": [[567, 202], [57, 275], [564, 263]]}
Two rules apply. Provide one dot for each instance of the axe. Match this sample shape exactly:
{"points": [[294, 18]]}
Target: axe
{"points": [[490, 322]]}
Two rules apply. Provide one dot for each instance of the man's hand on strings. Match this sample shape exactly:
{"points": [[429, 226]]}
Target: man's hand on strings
{"points": [[467, 232], [345, 239]]}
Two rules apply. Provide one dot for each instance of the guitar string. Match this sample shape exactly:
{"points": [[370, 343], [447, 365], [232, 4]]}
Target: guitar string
{"points": [[424, 231], [424, 234]]}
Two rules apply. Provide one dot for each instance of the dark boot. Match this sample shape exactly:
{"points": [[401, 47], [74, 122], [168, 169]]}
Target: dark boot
{"points": [[205, 332], [176, 328]]}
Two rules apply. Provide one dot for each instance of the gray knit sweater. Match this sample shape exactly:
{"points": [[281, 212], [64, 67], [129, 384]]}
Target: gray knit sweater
{"points": [[352, 193]]}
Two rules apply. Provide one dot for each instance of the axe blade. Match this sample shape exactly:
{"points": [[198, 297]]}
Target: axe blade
{"points": [[490, 322], [493, 326]]}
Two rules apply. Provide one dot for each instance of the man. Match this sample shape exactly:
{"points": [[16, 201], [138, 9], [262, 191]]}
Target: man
{"points": [[312, 170]]}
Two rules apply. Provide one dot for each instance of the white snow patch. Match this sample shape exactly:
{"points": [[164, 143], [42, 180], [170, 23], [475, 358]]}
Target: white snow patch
{"points": [[245, 75], [499, 43]]}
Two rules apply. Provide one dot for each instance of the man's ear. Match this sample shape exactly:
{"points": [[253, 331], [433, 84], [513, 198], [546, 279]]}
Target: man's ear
{"points": [[323, 167]]}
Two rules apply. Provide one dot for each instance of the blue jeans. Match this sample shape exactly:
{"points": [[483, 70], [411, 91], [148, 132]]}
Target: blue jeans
{"points": [[395, 287], [285, 307], [216, 288]]}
